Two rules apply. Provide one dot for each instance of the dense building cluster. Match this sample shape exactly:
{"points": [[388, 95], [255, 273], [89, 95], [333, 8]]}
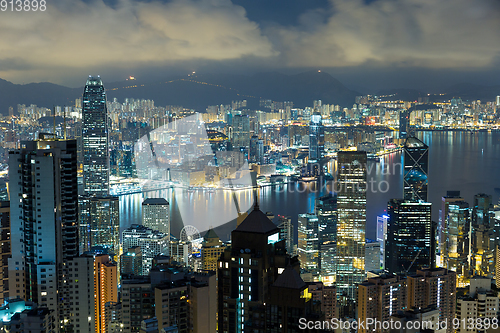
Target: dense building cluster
{"points": [[68, 266]]}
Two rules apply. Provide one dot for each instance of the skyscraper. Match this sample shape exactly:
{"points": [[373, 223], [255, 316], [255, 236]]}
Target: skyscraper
{"points": [[156, 214], [456, 241], [316, 138], [382, 221], [211, 249], [416, 161], [247, 270], [409, 244], [241, 131], [5, 253], [93, 279], [44, 209], [95, 135], [308, 244], [404, 120], [326, 210], [351, 224], [484, 236], [285, 226]]}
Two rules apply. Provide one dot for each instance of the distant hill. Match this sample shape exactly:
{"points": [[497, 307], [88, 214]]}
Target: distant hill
{"points": [[42, 94], [196, 92], [470, 92]]}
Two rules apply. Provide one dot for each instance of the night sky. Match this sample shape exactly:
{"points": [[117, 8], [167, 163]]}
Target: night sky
{"points": [[410, 43]]}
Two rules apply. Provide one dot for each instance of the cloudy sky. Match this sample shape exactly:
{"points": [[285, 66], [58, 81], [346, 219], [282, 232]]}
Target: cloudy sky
{"points": [[354, 40]]}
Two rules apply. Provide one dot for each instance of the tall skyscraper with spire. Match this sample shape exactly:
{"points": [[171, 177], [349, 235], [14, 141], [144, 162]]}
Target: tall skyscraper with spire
{"points": [[98, 211], [95, 134], [416, 160]]}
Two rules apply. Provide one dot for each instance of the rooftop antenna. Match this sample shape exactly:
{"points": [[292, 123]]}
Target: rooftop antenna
{"points": [[64, 117]]}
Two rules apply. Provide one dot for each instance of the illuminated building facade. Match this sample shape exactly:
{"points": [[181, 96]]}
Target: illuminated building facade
{"points": [[380, 298], [316, 138], [409, 244], [211, 249], [456, 241], [285, 226], [151, 242], [156, 214], [326, 210], [95, 138], [308, 242], [43, 188], [351, 224], [485, 233], [382, 221], [434, 287], [416, 165]]}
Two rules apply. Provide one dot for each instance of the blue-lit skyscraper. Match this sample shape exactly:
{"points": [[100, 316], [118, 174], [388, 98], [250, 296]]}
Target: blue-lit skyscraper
{"points": [[326, 210], [95, 139], [316, 138], [416, 159]]}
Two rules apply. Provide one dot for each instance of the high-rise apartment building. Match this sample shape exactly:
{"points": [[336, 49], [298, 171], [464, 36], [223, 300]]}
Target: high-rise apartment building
{"points": [[434, 287], [211, 250], [95, 138], [151, 242], [308, 243], [379, 298], [326, 210], [351, 223], [480, 302], [416, 166], [409, 244], [44, 209], [156, 214], [5, 252], [92, 281], [316, 138]]}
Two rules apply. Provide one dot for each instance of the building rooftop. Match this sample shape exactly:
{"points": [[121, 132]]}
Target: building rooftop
{"points": [[413, 142], [290, 278], [210, 234], [257, 222], [155, 201]]}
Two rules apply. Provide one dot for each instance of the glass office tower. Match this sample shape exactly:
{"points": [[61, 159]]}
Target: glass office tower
{"points": [[95, 139], [351, 224], [416, 159]]}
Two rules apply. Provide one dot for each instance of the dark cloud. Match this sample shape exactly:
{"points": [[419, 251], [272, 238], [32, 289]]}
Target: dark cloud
{"points": [[125, 37]]}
